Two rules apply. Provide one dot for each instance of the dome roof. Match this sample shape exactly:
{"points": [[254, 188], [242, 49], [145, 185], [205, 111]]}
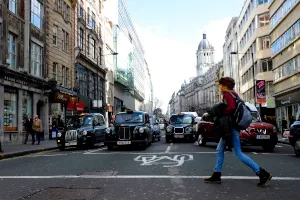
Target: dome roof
{"points": [[204, 44]]}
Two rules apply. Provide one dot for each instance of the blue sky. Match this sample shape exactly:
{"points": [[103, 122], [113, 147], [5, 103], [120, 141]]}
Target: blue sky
{"points": [[171, 30]]}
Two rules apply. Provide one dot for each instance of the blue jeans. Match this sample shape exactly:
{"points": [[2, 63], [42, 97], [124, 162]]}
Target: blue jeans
{"points": [[238, 152]]}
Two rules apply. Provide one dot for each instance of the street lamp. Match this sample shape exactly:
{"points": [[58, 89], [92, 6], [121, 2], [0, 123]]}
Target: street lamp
{"points": [[253, 72]]}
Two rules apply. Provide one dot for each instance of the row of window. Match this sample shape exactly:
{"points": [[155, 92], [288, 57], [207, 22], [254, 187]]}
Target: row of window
{"points": [[249, 95], [62, 7], [282, 11], [35, 56], [262, 20], [64, 40], [90, 17], [89, 84], [91, 45], [286, 38], [289, 68], [63, 76], [247, 57], [263, 66], [248, 12], [36, 11]]}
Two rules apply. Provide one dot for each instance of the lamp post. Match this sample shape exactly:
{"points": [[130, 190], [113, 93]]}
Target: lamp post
{"points": [[253, 72]]}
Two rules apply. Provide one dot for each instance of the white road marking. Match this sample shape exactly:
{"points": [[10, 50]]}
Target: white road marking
{"points": [[168, 149], [139, 153], [255, 153], [166, 161], [144, 177], [278, 146], [93, 151]]}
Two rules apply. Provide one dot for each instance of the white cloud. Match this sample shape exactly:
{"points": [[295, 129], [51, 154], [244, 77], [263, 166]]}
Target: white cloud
{"points": [[216, 31], [171, 62]]}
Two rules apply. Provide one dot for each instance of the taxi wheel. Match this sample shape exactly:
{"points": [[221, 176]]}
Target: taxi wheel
{"points": [[268, 147], [62, 148], [158, 139], [91, 143], [297, 148]]}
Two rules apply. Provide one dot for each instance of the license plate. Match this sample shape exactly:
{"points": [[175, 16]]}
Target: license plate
{"points": [[178, 136], [123, 142], [263, 137], [70, 144]]}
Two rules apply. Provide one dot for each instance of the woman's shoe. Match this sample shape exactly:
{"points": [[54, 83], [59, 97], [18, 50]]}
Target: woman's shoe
{"points": [[215, 178], [264, 177]]}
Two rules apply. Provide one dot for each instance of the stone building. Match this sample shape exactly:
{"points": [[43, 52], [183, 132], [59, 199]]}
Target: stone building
{"points": [[90, 70], [60, 58], [23, 71], [285, 45], [200, 93]]}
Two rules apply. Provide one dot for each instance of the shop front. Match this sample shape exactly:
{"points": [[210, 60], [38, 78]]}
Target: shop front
{"points": [[22, 95], [288, 106]]}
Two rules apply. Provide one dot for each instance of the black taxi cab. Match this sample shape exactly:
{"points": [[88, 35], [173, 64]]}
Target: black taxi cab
{"points": [[181, 126], [86, 129], [129, 128]]}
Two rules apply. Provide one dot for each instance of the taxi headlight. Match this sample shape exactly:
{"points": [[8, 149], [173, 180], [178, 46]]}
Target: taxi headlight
{"points": [[188, 129], [141, 130], [84, 132], [107, 130], [59, 134], [169, 129]]}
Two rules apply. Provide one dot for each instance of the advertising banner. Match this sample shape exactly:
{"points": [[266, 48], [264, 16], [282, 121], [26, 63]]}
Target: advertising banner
{"points": [[261, 91]]}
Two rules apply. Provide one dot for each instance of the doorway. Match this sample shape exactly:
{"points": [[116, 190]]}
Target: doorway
{"points": [[39, 108]]}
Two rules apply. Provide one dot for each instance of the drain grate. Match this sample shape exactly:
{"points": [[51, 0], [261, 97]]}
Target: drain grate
{"points": [[66, 193], [101, 173]]}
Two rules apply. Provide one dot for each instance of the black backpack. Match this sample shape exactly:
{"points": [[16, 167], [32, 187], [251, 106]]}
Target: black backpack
{"points": [[242, 116]]}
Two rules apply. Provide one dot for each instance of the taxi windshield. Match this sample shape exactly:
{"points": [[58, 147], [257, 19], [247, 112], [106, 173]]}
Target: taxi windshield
{"points": [[255, 117], [73, 122], [129, 118], [86, 120], [176, 119]]}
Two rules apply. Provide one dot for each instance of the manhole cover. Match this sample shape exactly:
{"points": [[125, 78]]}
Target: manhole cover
{"points": [[101, 173], [66, 194]]}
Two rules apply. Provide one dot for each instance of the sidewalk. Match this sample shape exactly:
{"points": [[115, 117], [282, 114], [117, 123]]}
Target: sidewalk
{"points": [[19, 149], [283, 140]]}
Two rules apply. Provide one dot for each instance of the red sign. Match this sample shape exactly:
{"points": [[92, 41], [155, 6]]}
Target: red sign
{"points": [[64, 98], [77, 107]]}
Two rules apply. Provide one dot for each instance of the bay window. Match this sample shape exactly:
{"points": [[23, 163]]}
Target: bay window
{"points": [[12, 51]]}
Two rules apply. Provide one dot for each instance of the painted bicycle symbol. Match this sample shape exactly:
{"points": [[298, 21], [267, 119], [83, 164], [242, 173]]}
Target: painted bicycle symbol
{"points": [[166, 161]]}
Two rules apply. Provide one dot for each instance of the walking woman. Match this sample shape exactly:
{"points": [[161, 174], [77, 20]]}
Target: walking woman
{"points": [[226, 87]]}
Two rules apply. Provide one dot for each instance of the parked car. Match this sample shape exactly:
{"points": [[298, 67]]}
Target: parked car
{"points": [[257, 134], [129, 128], [155, 128], [294, 137], [181, 126], [84, 129]]}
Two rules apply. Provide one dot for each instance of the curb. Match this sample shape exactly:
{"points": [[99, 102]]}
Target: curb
{"points": [[23, 153], [284, 142]]}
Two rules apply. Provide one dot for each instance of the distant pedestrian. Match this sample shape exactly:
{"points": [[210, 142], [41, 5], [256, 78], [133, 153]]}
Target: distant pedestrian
{"points": [[283, 125], [265, 119], [226, 87], [37, 129], [28, 128]]}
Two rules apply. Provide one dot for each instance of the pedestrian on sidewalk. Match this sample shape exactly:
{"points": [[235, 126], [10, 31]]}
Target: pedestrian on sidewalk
{"points": [[28, 129], [226, 87], [37, 129]]}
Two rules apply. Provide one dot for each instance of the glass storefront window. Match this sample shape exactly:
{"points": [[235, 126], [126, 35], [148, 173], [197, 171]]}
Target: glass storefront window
{"points": [[10, 110], [26, 105]]}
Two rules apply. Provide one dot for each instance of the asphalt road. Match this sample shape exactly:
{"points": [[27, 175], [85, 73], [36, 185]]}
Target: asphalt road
{"points": [[163, 171]]}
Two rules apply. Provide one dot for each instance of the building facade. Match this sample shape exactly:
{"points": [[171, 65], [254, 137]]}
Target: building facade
{"points": [[90, 69], [60, 57], [285, 44], [200, 94], [254, 52], [24, 74]]}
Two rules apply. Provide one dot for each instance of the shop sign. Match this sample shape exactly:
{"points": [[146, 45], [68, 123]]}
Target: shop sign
{"points": [[288, 99], [261, 91], [79, 106], [12, 79], [63, 98]]}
